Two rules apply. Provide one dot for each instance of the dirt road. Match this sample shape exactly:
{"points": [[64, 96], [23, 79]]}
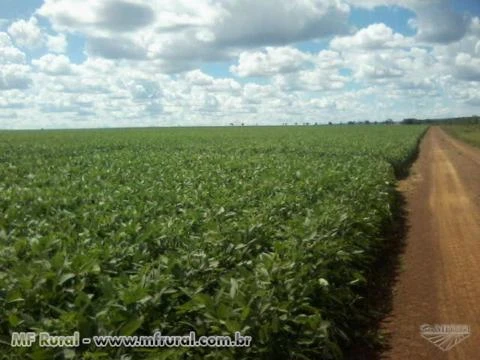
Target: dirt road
{"points": [[439, 279]]}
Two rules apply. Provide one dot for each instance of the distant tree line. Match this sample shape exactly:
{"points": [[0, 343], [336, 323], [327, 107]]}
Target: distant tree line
{"points": [[368, 122], [475, 119]]}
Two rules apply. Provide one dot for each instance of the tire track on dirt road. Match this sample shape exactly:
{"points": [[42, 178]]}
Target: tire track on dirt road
{"points": [[439, 280]]}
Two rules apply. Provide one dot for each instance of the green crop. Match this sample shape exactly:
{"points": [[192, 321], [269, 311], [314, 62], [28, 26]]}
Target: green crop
{"points": [[266, 231]]}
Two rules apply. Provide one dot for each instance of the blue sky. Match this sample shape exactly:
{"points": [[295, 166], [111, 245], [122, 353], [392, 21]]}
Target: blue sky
{"points": [[108, 63]]}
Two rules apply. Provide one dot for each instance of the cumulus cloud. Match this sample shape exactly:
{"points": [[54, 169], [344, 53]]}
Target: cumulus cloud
{"points": [[461, 58], [375, 36], [146, 90], [12, 99], [26, 33], [118, 15], [439, 23], [189, 31], [376, 54], [370, 4], [435, 21], [150, 63], [14, 73], [14, 76], [311, 80], [283, 60], [328, 59], [270, 62], [266, 22], [197, 78], [30, 36], [378, 69], [256, 94], [467, 67], [57, 43], [102, 15], [8, 52], [392, 65], [119, 48], [53, 64]]}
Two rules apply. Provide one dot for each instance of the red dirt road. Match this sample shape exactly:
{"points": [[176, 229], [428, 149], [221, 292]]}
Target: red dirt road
{"points": [[439, 279]]}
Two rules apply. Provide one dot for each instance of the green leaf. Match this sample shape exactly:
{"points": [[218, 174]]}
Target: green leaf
{"points": [[69, 353], [14, 320], [323, 282], [65, 277], [131, 326], [233, 287]]}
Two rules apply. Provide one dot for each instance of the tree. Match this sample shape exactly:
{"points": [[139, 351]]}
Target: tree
{"points": [[410, 121]]}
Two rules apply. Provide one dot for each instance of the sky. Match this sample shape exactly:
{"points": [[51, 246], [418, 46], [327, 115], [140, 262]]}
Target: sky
{"points": [[128, 63]]}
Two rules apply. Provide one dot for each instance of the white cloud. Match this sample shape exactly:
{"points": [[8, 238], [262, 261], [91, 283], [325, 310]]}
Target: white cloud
{"points": [[395, 66], [256, 94], [98, 16], [377, 67], [292, 70], [29, 35], [8, 52], [328, 59], [12, 99], [311, 80], [284, 60], [183, 32], [14, 73], [26, 33], [435, 22], [14, 76], [467, 67], [197, 77], [376, 54], [319, 80], [53, 64], [115, 48], [461, 58], [270, 62], [57, 43], [375, 36], [146, 69], [439, 23], [370, 4], [253, 22]]}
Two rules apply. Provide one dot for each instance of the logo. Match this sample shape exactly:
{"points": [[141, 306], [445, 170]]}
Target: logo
{"points": [[445, 337]]}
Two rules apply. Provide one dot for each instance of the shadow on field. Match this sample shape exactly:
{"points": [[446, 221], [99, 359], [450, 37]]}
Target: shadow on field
{"points": [[379, 291]]}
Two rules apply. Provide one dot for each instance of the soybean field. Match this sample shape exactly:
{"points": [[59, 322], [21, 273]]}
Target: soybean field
{"points": [[268, 231]]}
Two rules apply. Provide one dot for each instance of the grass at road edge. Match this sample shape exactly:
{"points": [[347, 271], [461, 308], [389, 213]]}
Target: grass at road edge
{"points": [[467, 133]]}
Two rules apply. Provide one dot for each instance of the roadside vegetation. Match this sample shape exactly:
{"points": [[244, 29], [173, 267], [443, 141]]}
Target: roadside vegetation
{"points": [[470, 133], [268, 231]]}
